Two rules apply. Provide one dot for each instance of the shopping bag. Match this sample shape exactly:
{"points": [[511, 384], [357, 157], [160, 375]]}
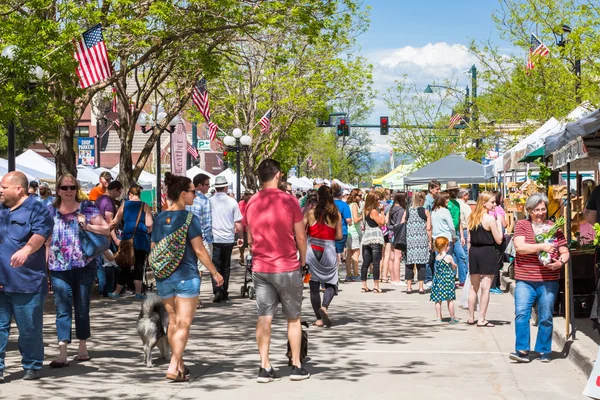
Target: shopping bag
{"points": [[592, 389]]}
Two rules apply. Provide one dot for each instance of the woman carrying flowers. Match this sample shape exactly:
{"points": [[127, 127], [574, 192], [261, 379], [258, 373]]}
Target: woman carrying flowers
{"points": [[537, 276]]}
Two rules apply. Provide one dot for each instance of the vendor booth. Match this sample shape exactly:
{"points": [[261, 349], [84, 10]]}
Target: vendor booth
{"points": [[451, 168], [576, 148]]}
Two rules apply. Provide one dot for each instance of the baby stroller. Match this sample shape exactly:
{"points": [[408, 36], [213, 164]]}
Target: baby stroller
{"points": [[247, 288]]}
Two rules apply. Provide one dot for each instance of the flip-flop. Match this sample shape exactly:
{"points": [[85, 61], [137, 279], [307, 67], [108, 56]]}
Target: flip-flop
{"points": [[83, 358], [487, 324], [365, 290], [325, 317], [179, 377], [199, 305], [317, 325], [377, 291], [58, 364], [471, 322]]}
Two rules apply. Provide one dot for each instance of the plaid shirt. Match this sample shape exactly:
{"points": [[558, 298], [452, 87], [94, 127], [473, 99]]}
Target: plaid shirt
{"points": [[201, 209]]}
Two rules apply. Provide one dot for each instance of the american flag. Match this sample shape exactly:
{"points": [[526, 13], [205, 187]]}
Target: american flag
{"points": [[114, 99], [116, 122], [192, 151], [538, 48], [309, 161], [220, 162], [200, 99], [454, 120], [212, 130], [90, 52], [162, 152], [265, 122], [530, 63], [314, 166]]}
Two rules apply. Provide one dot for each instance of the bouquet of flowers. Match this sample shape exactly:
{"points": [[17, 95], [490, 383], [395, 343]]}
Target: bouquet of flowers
{"points": [[548, 237], [597, 234]]}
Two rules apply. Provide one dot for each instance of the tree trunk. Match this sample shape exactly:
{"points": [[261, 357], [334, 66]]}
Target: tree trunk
{"points": [[250, 173], [64, 156], [125, 158]]}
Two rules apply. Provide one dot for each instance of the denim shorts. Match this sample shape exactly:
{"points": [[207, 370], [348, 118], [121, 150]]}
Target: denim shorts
{"points": [[185, 289], [340, 245]]}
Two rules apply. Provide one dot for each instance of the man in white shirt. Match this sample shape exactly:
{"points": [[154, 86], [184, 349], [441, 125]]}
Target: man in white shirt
{"points": [[465, 213], [226, 223]]}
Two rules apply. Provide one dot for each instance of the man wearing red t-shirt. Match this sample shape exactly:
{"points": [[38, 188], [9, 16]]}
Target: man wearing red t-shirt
{"points": [[276, 234]]}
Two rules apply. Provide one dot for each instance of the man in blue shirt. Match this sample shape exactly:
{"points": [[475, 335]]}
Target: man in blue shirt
{"points": [[25, 225], [201, 209], [344, 210]]}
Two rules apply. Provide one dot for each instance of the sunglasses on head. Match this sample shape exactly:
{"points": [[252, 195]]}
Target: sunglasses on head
{"points": [[65, 188]]}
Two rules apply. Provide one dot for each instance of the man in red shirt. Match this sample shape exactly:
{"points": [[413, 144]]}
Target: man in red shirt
{"points": [[276, 234]]}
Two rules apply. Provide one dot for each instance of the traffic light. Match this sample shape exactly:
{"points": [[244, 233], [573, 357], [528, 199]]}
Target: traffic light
{"points": [[384, 126], [343, 129]]}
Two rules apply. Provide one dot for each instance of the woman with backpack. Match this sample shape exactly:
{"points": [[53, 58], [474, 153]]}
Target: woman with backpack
{"points": [[397, 230], [176, 247], [137, 225]]}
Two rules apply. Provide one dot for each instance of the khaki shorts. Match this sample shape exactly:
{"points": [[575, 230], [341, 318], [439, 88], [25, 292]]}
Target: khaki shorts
{"points": [[271, 289], [209, 248]]}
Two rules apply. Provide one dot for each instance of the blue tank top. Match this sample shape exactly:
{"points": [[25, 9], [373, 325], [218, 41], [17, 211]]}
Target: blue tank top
{"points": [[141, 241]]}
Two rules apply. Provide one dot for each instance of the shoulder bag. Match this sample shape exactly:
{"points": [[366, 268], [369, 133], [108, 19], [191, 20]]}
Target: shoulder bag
{"points": [[92, 244], [399, 230], [167, 254], [125, 256]]}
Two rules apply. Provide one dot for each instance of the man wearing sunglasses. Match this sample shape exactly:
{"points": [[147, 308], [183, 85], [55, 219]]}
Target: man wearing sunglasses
{"points": [[25, 225], [102, 187]]}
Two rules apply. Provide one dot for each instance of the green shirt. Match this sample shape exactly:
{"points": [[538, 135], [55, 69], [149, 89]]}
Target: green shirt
{"points": [[454, 209]]}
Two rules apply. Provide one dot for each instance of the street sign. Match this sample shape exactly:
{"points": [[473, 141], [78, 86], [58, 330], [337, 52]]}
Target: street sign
{"points": [[203, 145], [447, 139]]}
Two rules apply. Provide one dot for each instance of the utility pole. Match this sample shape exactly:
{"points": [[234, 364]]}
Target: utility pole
{"points": [[474, 108]]}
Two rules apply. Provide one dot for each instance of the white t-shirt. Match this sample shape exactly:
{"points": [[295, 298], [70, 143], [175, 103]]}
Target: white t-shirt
{"points": [[225, 213]]}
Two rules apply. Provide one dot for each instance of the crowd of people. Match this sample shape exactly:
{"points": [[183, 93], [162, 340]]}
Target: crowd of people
{"points": [[293, 237]]}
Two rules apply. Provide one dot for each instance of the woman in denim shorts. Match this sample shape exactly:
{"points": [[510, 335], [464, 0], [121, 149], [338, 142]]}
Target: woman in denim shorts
{"points": [[180, 290]]}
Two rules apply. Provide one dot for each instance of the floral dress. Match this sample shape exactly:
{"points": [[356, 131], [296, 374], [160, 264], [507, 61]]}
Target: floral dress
{"points": [[443, 281], [66, 252]]}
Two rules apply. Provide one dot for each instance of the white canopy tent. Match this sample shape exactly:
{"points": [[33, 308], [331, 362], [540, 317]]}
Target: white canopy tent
{"points": [[146, 179], [87, 175], [36, 162], [298, 183], [307, 180], [192, 172], [343, 185], [4, 170]]}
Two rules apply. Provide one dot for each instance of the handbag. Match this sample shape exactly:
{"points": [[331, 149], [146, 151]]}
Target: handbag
{"points": [[168, 252], [92, 244], [125, 256], [399, 231]]}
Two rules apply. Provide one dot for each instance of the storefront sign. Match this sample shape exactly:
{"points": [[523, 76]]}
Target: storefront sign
{"points": [[86, 151], [179, 149], [574, 150]]}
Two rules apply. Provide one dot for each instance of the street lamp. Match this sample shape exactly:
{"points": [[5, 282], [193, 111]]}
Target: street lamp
{"points": [[237, 143], [148, 122], [562, 42], [37, 73]]}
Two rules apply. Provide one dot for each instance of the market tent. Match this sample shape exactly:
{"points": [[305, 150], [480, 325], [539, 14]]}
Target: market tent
{"points": [[32, 175], [343, 185], [585, 126], [87, 177], [146, 179], [534, 155], [4, 170], [192, 172], [395, 179], [230, 175], [492, 169], [298, 183], [451, 168], [379, 181], [36, 165], [307, 180]]}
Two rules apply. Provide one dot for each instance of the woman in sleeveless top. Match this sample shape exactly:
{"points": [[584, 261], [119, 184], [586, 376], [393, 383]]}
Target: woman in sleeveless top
{"points": [[128, 212], [372, 241], [418, 242], [354, 233], [485, 234], [324, 224]]}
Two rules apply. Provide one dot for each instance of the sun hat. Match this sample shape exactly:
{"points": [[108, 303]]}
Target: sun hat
{"points": [[452, 185], [221, 182]]}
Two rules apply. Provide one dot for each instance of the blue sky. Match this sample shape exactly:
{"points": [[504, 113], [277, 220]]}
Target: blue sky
{"points": [[423, 39]]}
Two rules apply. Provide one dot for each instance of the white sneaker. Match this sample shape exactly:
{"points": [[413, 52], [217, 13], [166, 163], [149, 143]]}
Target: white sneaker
{"points": [[401, 283], [428, 285]]}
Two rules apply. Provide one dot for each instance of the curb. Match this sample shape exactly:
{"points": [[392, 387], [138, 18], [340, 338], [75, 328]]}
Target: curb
{"points": [[572, 349]]}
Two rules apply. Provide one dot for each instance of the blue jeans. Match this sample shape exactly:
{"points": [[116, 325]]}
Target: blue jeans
{"points": [[28, 310], [460, 258], [526, 295], [72, 290], [107, 278]]}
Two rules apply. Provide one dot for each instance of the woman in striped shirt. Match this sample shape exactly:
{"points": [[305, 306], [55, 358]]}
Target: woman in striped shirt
{"points": [[536, 283]]}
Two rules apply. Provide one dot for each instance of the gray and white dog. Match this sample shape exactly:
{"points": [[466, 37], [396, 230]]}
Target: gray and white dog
{"points": [[152, 325]]}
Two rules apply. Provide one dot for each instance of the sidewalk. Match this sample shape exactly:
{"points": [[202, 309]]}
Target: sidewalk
{"points": [[582, 351], [382, 346]]}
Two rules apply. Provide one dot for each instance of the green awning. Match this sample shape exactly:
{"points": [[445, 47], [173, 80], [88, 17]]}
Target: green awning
{"points": [[534, 155]]}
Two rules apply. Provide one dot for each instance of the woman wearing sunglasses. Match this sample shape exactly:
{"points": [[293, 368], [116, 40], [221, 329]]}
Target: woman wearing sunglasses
{"points": [[72, 273]]}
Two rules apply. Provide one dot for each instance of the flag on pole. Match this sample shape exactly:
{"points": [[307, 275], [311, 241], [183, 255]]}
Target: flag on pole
{"points": [[114, 99], [200, 99], [162, 152], [309, 161], [117, 123], [265, 122], [90, 52], [454, 120], [192, 151], [212, 130], [220, 162], [537, 49], [314, 166]]}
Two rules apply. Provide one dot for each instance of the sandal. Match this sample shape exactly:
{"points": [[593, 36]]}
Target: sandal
{"points": [[199, 305], [409, 291], [179, 377], [377, 290], [454, 321], [317, 325], [365, 290], [471, 322], [325, 317], [59, 364], [83, 358], [486, 324], [421, 292]]}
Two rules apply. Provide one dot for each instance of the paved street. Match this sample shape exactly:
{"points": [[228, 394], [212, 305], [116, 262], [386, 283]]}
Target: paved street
{"points": [[385, 345]]}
